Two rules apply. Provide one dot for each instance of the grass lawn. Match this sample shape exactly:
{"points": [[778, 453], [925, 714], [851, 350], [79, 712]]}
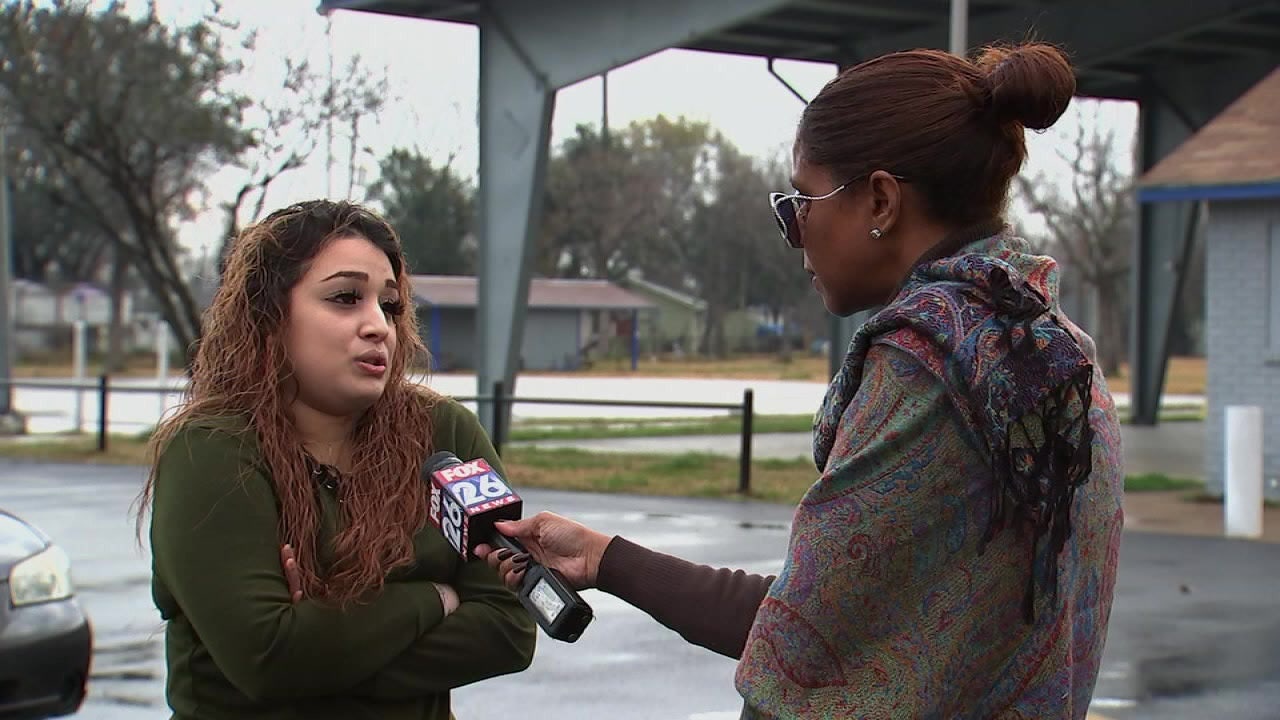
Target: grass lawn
{"points": [[600, 428], [684, 475]]}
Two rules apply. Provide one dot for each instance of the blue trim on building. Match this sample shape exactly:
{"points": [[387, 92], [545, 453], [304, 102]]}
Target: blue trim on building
{"points": [[576, 363], [434, 345], [635, 339], [1209, 192]]}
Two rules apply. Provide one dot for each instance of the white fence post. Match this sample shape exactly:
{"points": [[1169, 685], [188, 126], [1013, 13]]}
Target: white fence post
{"points": [[1242, 486], [162, 363], [79, 357]]}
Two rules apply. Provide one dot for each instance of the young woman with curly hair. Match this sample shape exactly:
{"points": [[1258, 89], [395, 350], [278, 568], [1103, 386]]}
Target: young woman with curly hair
{"points": [[291, 557]]}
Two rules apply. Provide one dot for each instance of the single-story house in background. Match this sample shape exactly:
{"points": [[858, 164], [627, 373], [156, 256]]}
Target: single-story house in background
{"points": [[43, 316], [567, 323], [1233, 165], [677, 321]]}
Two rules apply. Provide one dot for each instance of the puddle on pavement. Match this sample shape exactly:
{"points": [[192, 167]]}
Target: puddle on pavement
{"points": [[1240, 659], [684, 520], [132, 651], [1174, 677], [748, 525], [113, 584], [705, 521], [129, 662], [128, 701], [135, 675], [128, 673]]}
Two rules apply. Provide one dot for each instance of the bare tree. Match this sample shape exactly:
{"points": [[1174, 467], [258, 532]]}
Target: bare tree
{"points": [[601, 203], [126, 118], [289, 126], [1090, 225]]}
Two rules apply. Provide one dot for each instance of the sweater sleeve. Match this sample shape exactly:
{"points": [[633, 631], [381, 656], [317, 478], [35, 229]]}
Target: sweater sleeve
{"points": [[710, 607], [216, 548], [490, 633]]}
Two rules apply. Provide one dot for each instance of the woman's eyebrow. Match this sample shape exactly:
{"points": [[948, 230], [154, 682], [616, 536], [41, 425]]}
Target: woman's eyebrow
{"points": [[358, 275]]}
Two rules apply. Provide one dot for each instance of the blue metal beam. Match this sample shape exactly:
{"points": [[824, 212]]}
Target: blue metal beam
{"points": [[1161, 242], [842, 332], [1093, 31], [1209, 192], [570, 40], [527, 52], [515, 127]]}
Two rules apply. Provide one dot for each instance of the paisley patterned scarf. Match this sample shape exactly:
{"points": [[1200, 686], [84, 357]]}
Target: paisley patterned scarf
{"points": [[1018, 375]]}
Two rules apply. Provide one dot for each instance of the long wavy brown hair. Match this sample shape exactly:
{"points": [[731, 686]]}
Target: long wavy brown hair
{"points": [[385, 502]]}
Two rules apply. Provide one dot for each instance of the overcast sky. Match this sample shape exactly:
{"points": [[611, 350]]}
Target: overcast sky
{"points": [[433, 71]]}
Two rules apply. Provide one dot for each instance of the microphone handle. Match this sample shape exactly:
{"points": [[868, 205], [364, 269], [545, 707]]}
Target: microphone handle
{"points": [[557, 608], [510, 543]]}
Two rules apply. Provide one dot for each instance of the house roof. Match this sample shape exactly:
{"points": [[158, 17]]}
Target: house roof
{"points": [[636, 281], [461, 291], [86, 291], [1235, 156]]}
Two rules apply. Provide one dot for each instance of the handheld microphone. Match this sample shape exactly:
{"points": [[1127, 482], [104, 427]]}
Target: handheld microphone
{"points": [[467, 498]]}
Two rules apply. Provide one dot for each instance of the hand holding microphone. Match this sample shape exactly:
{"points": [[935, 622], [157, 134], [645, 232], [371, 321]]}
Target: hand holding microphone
{"points": [[466, 501], [571, 548]]}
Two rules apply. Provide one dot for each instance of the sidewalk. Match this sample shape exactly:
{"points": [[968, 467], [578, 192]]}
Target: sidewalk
{"points": [[1171, 512]]}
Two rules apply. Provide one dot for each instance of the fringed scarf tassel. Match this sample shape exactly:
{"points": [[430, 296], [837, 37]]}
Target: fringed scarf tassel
{"points": [[1036, 484]]}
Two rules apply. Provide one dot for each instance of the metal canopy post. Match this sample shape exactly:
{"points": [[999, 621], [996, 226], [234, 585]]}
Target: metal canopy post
{"points": [[1164, 234], [516, 103], [524, 60], [8, 419]]}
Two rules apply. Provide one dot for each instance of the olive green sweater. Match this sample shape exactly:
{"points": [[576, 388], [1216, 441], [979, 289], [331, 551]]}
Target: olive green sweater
{"points": [[237, 647]]}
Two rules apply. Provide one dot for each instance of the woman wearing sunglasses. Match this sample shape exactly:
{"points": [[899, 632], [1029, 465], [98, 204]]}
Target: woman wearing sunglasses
{"points": [[956, 556]]}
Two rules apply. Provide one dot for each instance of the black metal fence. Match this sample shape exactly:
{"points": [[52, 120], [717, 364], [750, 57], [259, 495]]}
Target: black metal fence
{"points": [[501, 401]]}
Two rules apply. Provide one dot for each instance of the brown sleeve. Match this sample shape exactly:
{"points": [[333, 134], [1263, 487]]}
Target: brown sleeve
{"points": [[710, 607]]}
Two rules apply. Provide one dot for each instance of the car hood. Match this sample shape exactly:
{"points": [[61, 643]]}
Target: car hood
{"points": [[18, 541]]}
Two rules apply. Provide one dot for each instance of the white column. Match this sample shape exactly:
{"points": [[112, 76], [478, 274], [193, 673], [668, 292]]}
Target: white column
{"points": [[1242, 506], [79, 354], [162, 363]]}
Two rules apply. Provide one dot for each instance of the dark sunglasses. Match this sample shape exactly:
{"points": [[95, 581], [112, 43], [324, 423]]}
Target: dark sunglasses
{"points": [[786, 210], [787, 207]]}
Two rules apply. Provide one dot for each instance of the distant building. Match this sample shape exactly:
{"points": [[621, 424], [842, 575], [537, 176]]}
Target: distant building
{"points": [[43, 316], [1233, 164], [567, 323], [677, 321]]}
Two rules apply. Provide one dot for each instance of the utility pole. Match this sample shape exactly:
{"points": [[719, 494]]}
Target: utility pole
{"points": [[10, 421], [959, 27], [328, 122], [604, 107]]}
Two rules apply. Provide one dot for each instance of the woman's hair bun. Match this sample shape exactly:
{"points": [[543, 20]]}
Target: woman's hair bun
{"points": [[1031, 84]]}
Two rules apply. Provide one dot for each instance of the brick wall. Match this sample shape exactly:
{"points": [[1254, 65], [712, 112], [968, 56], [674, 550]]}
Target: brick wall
{"points": [[1244, 367]]}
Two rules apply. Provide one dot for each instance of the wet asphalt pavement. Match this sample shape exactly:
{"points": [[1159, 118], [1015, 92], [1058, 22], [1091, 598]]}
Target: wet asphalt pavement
{"points": [[1195, 632]]}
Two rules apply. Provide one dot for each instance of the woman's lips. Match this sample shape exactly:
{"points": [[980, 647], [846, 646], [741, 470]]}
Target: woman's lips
{"points": [[377, 370]]}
